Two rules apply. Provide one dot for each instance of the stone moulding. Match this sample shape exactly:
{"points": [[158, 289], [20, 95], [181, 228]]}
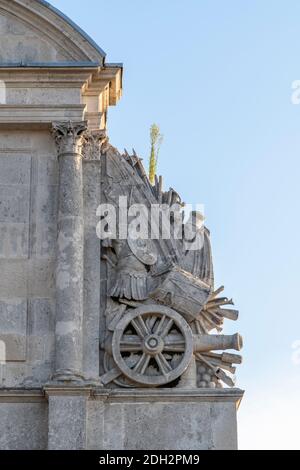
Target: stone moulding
{"points": [[42, 115], [122, 395], [22, 396], [170, 395], [85, 93]]}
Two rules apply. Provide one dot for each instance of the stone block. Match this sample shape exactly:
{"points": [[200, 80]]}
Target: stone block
{"points": [[15, 141], [13, 328], [13, 278], [67, 422], [42, 96], [13, 374], [164, 420], [13, 315], [15, 347], [32, 278], [41, 337], [15, 169], [14, 203], [42, 317], [23, 426], [14, 240], [47, 170], [45, 204]]}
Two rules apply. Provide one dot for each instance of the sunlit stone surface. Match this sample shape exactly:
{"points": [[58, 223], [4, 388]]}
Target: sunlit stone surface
{"points": [[56, 308]]}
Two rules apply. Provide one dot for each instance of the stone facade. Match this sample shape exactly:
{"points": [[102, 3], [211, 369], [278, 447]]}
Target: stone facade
{"points": [[63, 381]]}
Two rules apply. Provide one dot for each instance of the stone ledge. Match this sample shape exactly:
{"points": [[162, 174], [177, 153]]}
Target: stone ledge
{"points": [[125, 396], [22, 395], [166, 395], [12, 114], [68, 390]]}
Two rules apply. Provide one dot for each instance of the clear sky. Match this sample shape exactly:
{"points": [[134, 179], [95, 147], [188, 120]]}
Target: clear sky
{"points": [[217, 76]]}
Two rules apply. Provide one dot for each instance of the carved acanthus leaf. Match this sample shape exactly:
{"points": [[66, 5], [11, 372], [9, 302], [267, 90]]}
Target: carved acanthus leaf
{"points": [[92, 145], [69, 136]]}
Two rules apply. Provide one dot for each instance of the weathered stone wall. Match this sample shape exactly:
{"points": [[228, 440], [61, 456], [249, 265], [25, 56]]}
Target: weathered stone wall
{"points": [[161, 421], [23, 420], [23, 426], [28, 195], [119, 420]]}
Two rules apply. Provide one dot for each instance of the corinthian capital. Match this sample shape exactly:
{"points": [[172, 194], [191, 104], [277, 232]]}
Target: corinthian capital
{"points": [[69, 136], [92, 144]]}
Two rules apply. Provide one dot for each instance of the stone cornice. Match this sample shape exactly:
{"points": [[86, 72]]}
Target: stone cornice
{"points": [[94, 88], [93, 79], [55, 76]]}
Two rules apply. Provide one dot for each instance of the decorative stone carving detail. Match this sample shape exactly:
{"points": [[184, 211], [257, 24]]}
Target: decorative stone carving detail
{"points": [[161, 305], [92, 145], [160, 331], [69, 136]]}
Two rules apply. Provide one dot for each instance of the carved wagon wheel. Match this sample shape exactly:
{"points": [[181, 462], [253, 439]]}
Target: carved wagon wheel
{"points": [[157, 341]]}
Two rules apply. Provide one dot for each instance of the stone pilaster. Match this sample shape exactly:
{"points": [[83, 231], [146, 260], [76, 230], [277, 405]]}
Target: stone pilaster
{"points": [[91, 152], [70, 247]]}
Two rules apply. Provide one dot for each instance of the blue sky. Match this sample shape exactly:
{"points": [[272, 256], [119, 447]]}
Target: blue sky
{"points": [[217, 76]]}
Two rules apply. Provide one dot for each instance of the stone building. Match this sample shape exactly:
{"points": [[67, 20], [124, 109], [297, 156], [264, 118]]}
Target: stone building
{"points": [[70, 304]]}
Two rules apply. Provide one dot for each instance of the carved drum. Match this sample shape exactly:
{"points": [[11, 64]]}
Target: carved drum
{"points": [[183, 292]]}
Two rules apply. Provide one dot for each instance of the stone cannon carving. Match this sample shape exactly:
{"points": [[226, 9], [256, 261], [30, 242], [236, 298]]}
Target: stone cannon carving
{"points": [[153, 345], [161, 304]]}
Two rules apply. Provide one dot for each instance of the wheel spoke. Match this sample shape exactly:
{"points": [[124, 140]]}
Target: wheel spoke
{"points": [[163, 364], [140, 326], [166, 328], [142, 364], [150, 322], [159, 326], [130, 343]]}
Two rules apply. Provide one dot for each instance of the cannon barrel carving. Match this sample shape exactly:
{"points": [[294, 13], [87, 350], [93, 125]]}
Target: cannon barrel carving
{"points": [[154, 345], [206, 343]]}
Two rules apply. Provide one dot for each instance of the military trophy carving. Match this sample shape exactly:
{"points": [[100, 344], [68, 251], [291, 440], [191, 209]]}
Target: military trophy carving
{"points": [[161, 303]]}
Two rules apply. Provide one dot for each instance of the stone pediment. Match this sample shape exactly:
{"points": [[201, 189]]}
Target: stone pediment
{"points": [[32, 32]]}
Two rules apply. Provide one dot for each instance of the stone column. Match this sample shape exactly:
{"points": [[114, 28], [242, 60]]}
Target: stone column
{"points": [[70, 243]]}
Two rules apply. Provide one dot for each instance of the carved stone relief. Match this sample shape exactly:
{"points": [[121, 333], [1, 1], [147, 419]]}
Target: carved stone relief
{"points": [[162, 306]]}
